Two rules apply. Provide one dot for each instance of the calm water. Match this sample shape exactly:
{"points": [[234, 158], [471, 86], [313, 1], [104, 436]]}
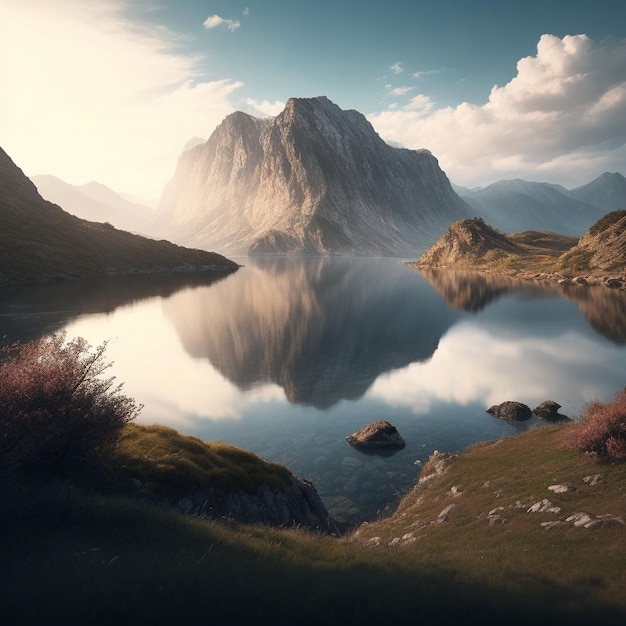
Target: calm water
{"points": [[288, 356]]}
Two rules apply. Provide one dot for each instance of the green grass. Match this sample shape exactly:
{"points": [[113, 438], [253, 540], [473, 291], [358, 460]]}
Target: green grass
{"points": [[171, 464], [72, 555]]}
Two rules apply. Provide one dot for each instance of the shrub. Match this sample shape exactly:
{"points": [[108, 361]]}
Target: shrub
{"points": [[56, 409], [601, 431]]}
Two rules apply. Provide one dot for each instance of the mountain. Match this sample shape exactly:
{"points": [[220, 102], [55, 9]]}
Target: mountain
{"points": [[95, 202], [314, 179], [474, 244], [607, 192], [518, 205], [38, 240]]}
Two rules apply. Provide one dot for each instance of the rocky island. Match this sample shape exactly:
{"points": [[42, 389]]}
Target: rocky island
{"points": [[598, 257]]}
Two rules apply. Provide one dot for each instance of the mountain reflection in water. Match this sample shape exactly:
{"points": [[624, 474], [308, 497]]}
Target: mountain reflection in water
{"points": [[322, 329], [604, 309]]}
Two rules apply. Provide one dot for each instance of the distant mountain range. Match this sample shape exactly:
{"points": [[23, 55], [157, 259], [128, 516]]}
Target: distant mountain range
{"points": [[314, 179], [95, 202], [517, 205], [40, 241]]}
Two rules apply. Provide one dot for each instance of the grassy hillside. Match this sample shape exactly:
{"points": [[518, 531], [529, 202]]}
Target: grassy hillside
{"points": [[74, 554], [38, 240]]}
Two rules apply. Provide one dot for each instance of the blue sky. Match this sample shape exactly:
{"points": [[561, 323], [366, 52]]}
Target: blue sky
{"points": [[111, 90]]}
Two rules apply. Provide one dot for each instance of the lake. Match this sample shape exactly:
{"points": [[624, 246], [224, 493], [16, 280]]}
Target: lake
{"points": [[288, 356]]}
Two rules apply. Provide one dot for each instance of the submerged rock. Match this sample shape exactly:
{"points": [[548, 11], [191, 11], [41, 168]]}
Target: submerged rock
{"points": [[375, 436], [511, 411]]}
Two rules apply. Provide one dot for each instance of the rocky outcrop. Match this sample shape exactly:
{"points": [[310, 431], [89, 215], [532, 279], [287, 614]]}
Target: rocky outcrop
{"points": [[474, 244], [380, 435], [511, 411], [549, 410], [298, 505], [602, 247], [314, 179]]}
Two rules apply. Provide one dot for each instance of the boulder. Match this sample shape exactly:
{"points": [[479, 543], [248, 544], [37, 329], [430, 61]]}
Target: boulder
{"points": [[549, 410], [511, 411], [375, 436]]}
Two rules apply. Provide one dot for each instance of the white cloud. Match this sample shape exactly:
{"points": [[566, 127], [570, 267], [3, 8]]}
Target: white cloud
{"points": [[90, 95], [425, 73], [215, 20], [561, 118], [264, 108], [397, 67], [467, 368], [246, 11], [398, 91]]}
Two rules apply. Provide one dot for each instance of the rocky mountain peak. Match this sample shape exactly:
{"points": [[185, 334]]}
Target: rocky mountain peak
{"points": [[314, 179]]}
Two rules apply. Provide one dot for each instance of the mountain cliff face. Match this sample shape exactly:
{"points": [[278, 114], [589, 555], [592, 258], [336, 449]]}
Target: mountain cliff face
{"points": [[315, 179], [40, 241]]}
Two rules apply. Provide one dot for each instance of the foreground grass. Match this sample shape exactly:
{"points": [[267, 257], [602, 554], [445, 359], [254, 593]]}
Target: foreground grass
{"points": [[74, 556]]}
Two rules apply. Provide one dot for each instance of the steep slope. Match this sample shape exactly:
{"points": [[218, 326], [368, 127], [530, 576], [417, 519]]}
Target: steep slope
{"points": [[517, 205], [94, 202], [607, 192], [315, 179], [38, 240], [603, 246]]}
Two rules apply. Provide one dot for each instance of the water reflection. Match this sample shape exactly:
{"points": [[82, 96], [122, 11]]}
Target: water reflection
{"points": [[28, 312], [604, 309], [322, 329], [288, 356]]}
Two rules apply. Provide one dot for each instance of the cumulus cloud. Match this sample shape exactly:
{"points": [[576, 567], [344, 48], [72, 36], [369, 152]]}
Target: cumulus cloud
{"points": [[561, 119], [215, 20], [264, 108], [467, 368], [397, 67], [90, 94]]}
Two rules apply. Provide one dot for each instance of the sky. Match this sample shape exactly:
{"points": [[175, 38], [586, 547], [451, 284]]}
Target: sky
{"points": [[112, 90]]}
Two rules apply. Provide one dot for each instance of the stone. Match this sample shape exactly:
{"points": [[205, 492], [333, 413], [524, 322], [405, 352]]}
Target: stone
{"points": [[561, 488], [443, 516], [375, 436], [511, 411], [592, 480], [549, 409]]}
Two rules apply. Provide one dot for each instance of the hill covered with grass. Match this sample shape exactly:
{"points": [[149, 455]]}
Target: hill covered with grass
{"points": [[40, 241]]}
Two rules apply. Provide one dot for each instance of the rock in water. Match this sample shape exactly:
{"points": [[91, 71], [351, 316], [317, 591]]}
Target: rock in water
{"points": [[511, 411], [548, 409], [378, 435], [314, 179]]}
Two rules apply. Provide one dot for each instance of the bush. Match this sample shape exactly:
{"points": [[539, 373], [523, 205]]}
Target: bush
{"points": [[601, 431], [56, 409]]}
